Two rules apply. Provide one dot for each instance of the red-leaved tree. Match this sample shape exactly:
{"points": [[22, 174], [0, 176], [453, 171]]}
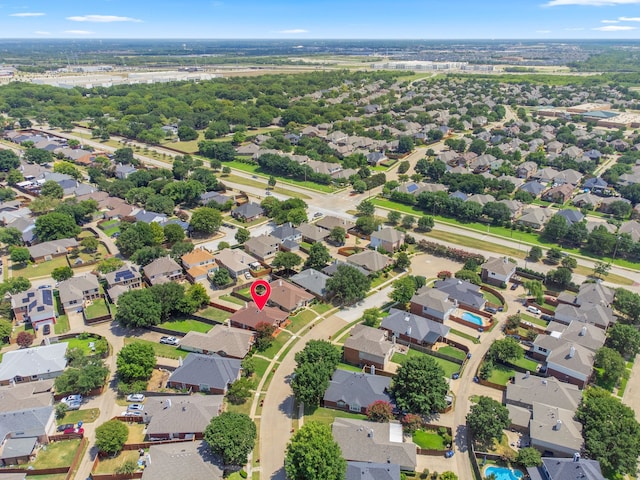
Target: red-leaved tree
{"points": [[380, 411], [24, 339]]}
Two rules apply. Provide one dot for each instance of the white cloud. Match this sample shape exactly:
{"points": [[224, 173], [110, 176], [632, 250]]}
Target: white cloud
{"points": [[615, 28], [543, 31], [28, 14], [294, 31], [590, 3], [610, 21], [40, 32], [78, 32], [629, 19], [102, 19]]}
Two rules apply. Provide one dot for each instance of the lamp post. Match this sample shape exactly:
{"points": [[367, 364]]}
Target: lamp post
{"points": [[615, 249]]}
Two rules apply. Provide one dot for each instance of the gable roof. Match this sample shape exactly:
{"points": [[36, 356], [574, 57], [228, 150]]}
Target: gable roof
{"points": [[223, 340], [234, 259], [551, 391], [287, 295], [285, 230], [313, 232], [354, 388], [329, 222], [262, 244], [33, 361], [73, 288], [433, 299], [184, 460], [312, 281], [500, 265], [216, 371], [161, 266], [197, 256], [566, 469], [369, 340], [555, 426], [423, 329], [370, 260], [53, 247], [372, 471], [250, 316], [181, 414], [388, 234]]}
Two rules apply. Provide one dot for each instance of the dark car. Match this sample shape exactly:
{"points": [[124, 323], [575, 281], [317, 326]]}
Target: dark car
{"points": [[66, 426], [46, 330], [449, 454], [514, 286], [546, 317], [491, 310]]}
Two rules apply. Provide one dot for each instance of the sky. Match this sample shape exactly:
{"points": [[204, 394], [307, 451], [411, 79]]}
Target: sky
{"points": [[321, 19]]}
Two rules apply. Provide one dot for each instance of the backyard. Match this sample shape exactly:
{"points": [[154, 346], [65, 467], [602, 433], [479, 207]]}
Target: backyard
{"points": [[429, 440], [161, 350], [111, 464], [501, 375], [448, 367], [35, 270], [87, 415], [186, 325], [110, 227], [328, 415], [214, 314], [98, 308], [56, 454]]}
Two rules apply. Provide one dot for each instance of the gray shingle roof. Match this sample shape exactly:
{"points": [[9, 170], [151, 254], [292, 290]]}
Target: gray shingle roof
{"points": [[212, 370], [372, 471], [355, 388], [461, 290], [34, 361], [311, 280], [186, 461], [183, 414], [566, 469], [422, 329]]}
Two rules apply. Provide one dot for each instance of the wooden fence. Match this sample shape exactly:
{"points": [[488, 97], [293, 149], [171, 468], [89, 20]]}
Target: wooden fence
{"points": [[77, 458]]}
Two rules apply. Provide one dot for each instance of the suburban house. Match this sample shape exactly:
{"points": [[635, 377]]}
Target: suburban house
{"points": [[55, 248], [354, 391], [364, 441], [289, 236], [221, 340], [312, 281], [370, 260], [163, 270], [216, 198], [375, 158], [535, 217], [247, 212], [433, 304], [121, 281], [330, 222], [205, 373], [571, 363], [526, 169], [462, 291], [123, 171], [554, 429], [250, 316], [566, 468], [311, 233], [32, 364], [35, 306], [332, 268], [388, 239], [372, 471], [185, 416], [414, 328], [534, 188], [199, 264], [184, 460], [559, 194], [527, 389], [77, 291], [235, 261], [588, 293], [263, 247], [367, 346], [584, 334], [22, 430], [288, 296], [26, 395], [497, 271], [589, 313], [571, 216]]}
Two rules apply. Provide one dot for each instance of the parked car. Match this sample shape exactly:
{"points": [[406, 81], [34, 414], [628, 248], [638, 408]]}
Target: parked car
{"points": [[317, 214], [491, 309], [74, 405], [449, 454], [78, 430], [247, 276], [72, 399], [455, 375], [46, 330], [169, 340], [546, 317], [534, 310], [131, 414], [514, 286], [66, 426], [135, 407], [135, 397]]}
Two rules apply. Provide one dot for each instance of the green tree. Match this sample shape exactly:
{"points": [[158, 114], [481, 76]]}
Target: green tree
{"points": [[627, 303], [419, 386], [612, 366], [221, 277], [529, 457], [569, 262], [20, 254], [625, 339], [556, 228], [135, 361], [561, 276], [610, 431], [111, 436], [403, 289], [319, 256], [8, 160], [310, 383], [90, 244], [535, 254], [448, 476], [359, 186], [67, 168], [271, 182], [393, 217], [365, 207], [313, 454], [109, 265], [408, 221], [173, 233], [506, 350], [35, 155], [367, 224], [51, 189], [601, 269], [11, 236], [405, 144], [232, 436], [535, 289], [426, 223], [60, 274], [240, 390], [83, 376], [264, 336], [14, 177], [205, 220], [487, 419], [287, 261], [402, 261], [337, 235], [138, 308], [242, 235], [348, 284], [54, 226], [6, 328], [371, 317]]}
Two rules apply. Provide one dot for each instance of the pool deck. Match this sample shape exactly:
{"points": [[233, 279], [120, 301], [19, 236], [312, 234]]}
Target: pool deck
{"points": [[505, 469]]}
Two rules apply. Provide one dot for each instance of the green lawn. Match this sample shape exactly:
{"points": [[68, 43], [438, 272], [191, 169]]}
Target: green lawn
{"points": [[464, 335], [250, 224], [535, 320], [62, 324], [526, 364], [351, 368], [254, 168], [98, 308], [491, 298], [186, 325], [57, 454], [88, 415], [230, 299], [328, 415], [501, 375], [261, 184], [261, 367], [214, 314], [429, 439], [110, 227], [161, 350], [448, 367], [85, 256], [321, 308], [43, 269], [110, 465], [300, 320], [277, 344], [452, 352], [81, 343]]}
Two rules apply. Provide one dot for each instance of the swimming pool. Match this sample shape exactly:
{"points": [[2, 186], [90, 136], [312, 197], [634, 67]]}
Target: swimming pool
{"points": [[473, 318], [503, 473]]}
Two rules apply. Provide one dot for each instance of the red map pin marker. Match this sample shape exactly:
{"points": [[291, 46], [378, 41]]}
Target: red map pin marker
{"points": [[260, 300]]}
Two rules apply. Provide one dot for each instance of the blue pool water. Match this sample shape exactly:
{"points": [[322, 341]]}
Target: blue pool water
{"points": [[503, 473], [472, 317]]}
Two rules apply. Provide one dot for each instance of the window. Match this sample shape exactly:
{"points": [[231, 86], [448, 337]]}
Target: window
{"points": [[354, 407]]}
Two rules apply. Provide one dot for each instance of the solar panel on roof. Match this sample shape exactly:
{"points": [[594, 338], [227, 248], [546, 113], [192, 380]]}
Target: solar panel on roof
{"points": [[412, 188], [47, 298], [40, 308], [32, 305], [124, 275]]}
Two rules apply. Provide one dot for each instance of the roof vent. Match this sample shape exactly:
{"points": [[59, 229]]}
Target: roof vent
{"points": [[558, 425], [583, 331], [572, 351]]}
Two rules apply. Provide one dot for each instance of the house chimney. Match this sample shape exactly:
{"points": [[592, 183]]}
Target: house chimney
{"points": [[167, 403], [572, 351], [526, 374], [558, 425], [370, 434], [583, 331], [280, 282], [409, 331], [576, 457]]}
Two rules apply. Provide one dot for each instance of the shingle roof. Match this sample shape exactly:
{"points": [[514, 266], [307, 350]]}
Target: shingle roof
{"points": [[369, 340], [370, 260], [462, 291], [372, 471], [213, 370], [18, 447], [161, 266], [388, 235], [313, 232], [73, 288], [501, 266], [251, 316], [333, 268], [53, 247], [311, 280], [235, 260], [433, 299], [33, 361], [221, 339], [544, 427], [527, 390], [123, 274], [580, 361], [186, 414], [185, 460], [30, 422], [248, 210], [566, 469], [400, 322], [287, 295], [354, 388]]}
